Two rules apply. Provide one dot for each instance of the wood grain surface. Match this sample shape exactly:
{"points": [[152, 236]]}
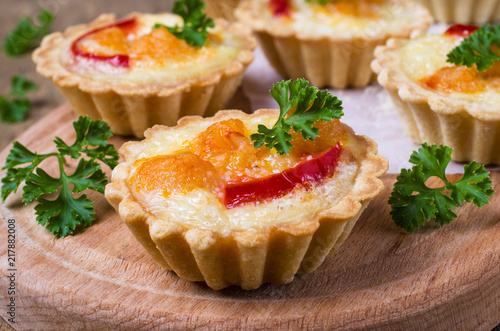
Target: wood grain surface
{"points": [[381, 278]]}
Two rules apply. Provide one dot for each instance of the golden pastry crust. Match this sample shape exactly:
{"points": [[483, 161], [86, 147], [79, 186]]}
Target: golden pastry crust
{"points": [[244, 257], [336, 59], [131, 108], [430, 116], [464, 11]]}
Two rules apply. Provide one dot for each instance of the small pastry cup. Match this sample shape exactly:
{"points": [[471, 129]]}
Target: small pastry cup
{"points": [[333, 60], [246, 257], [464, 11], [131, 108], [435, 118]]}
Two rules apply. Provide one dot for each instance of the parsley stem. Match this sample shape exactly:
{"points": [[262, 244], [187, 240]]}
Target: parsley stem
{"points": [[61, 161]]}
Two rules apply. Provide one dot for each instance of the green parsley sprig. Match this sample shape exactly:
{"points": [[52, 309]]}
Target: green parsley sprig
{"points": [[62, 215], [321, 2], [477, 49], [413, 202], [26, 34], [194, 30], [15, 105], [308, 105]]}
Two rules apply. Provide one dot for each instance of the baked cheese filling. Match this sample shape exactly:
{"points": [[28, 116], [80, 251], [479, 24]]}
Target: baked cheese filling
{"points": [[423, 60], [133, 50], [214, 178], [345, 18]]}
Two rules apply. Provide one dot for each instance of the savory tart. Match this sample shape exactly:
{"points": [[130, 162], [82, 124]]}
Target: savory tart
{"points": [[134, 73], [442, 102], [209, 205], [330, 43], [464, 11]]}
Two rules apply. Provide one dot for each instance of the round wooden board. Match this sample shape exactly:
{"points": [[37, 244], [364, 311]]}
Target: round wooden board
{"points": [[381, 278]]}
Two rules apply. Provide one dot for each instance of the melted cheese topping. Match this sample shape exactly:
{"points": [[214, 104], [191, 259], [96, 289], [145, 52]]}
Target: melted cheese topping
{"points": [[423, 60], [345, 18], [202, 208], [155, 54]]}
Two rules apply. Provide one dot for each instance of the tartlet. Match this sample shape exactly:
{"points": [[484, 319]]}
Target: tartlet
{"points": [[439, 102], [227, 240], [134, 76], [464, 11], [332, 44]]}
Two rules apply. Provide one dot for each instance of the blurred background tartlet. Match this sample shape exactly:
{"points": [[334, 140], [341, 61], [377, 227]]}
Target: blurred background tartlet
{"points": [[464, 11], [441, 102], [133, 73]]}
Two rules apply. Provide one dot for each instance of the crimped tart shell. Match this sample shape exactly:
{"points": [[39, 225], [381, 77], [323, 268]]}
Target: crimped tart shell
{"points": [[333, 61], [222, 8], [130, 108], [464, 11], [428, 116], [248, 257]]}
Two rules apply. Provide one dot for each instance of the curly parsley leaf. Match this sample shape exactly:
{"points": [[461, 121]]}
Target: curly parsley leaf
{"points": [[301, 106], [15, 105], [16, 175], [90, 134], [39, 183], [413, 202], [480, 48], [26, 34], [194, 30], [62, 215]]}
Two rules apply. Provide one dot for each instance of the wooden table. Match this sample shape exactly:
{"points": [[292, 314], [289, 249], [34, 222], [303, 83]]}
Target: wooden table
{"points": [[47, 97]]}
